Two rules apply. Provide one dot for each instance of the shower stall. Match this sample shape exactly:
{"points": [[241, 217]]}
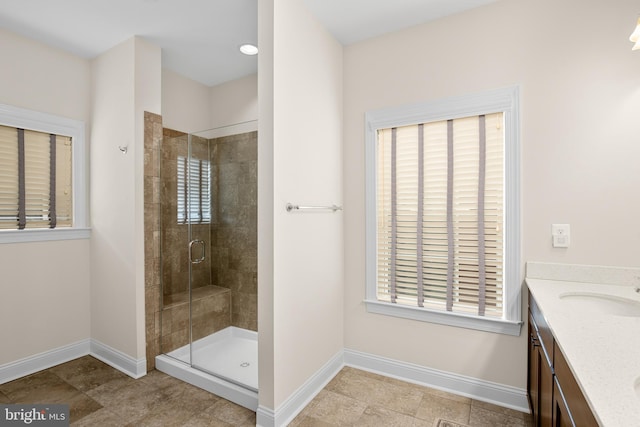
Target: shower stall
{"points": [[208, 257]]}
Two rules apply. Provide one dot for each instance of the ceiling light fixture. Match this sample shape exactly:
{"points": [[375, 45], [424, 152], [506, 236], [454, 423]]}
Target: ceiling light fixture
{"points": [[635, 37], [249, 49]]}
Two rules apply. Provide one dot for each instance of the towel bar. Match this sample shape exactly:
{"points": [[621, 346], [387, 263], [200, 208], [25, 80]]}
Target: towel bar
{"points": [[291, 207]]}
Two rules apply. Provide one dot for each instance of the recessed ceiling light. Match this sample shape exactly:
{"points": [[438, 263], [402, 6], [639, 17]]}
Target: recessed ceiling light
{"points": [[249, 49]]}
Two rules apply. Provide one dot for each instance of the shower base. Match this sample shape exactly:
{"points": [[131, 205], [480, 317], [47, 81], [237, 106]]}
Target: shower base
{"points": [[224, 363]]}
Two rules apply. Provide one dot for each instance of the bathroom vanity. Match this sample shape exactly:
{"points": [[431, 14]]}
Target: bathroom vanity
{"points": [[554, 395], [584, 345]]}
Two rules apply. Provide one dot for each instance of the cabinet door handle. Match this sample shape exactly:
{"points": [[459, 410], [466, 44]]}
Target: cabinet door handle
{"points": [[534, 340]]}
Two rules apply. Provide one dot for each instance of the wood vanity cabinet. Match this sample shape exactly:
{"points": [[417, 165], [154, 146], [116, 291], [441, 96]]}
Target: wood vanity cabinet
{"points": [[561, 413], [575, 405], [540, 386], [554, 395]]}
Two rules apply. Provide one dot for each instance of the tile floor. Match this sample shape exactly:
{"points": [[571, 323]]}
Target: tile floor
{"points": [[99, 395]]}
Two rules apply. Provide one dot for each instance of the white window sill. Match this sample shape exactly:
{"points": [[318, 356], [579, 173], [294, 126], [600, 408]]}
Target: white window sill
{"points": [[499, 326], [43, 235]]}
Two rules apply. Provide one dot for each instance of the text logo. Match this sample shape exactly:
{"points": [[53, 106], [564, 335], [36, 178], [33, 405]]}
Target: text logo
{"points": [[34, 415]]}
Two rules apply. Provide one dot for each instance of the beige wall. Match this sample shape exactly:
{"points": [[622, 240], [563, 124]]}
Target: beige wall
{"points": [[46, 307], [234, 102], [580, 94], [266, 355], [189, 106], [41, 78], [306, 148], [125, 82], [186, 104]]}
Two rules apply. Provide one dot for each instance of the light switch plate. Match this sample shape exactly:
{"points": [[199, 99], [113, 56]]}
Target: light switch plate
{"points": [[561, 235]]}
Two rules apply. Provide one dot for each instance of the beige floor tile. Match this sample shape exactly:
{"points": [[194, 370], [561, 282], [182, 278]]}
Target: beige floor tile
{"points": [[41, 387], [132, 401], [499, 409], [373, 390], [80, 406], [417, 422], [441, 422], [205, 420], [231, 413], [337, 409], [180, 401], [102, 417], [433, 407], [304, 414], [111, 386], [165, 416], [86, 373], [305, 421], [379, 416], [191, 397], [372, 375], [480, 417], [447, 395], [4, 399], [159, 379]]}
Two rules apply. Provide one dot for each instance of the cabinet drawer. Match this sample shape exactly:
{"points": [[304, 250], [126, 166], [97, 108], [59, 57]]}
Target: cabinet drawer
{"points": [[575, 400], [544, 333]]}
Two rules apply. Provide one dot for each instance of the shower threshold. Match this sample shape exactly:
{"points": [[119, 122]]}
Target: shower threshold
{"points": [[224, 363]]}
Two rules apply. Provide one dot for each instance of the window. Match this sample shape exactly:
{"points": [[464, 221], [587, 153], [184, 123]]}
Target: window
{"points": [[41, 177], [442, 212], [35, 179], [194, 191]]}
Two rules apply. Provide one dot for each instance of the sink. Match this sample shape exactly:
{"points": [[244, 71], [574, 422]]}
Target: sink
{"points": [[597, 303]]}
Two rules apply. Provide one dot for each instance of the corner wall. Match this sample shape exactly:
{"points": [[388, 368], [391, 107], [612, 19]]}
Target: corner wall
{"points": [[186, 104], [189, 106], [300, 265], [126, 82], [234, 102]]}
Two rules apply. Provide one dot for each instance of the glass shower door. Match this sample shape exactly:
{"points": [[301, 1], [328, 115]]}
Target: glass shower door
{"points": [[197, 202], [174, 238]]}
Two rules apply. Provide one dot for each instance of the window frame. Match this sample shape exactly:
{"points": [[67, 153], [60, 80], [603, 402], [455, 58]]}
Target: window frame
{"points": [[187, 182], [505, 100], [49, 123]]}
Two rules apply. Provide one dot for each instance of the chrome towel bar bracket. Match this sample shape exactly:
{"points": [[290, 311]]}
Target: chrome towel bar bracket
{"points": [[291, 207]]}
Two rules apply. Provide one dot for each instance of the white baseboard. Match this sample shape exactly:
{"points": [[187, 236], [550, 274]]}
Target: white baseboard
{"points": [[265, 417], [286, 412], [486, 391], [135, 368], [32, 364]]}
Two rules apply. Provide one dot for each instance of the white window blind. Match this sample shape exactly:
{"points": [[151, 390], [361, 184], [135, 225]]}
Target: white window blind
{"points": [[35, 179], [194, 190], [440, 215]]}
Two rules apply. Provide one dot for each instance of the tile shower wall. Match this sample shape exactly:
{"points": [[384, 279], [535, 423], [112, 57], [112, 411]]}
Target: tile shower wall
{"points": [[152, 139], [234, 231]]}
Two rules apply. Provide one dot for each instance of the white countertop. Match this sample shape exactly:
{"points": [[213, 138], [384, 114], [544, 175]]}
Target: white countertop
{"points": [[602, 350]]}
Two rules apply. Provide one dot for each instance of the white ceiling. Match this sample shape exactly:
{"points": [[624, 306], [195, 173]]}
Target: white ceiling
{"points": [[351, 21], [200, 38]]}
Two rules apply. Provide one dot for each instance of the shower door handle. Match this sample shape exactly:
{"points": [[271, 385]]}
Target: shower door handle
{"points": [[197, 260]]}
